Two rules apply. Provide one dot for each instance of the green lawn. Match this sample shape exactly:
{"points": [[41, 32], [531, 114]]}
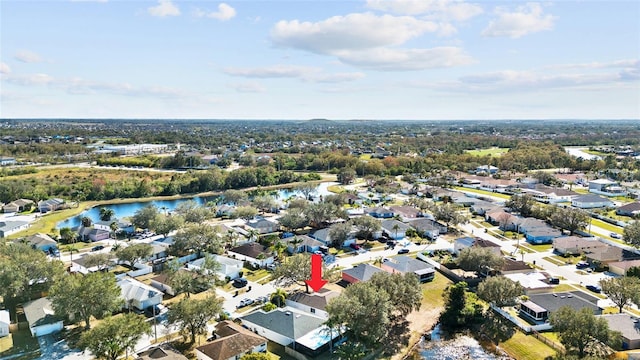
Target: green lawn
{"points": [[483, 192], [494, 151], [336, 189], [432, 291], [256, 275], [541, 247], [605, 225], [526, 347], [553, 260]]}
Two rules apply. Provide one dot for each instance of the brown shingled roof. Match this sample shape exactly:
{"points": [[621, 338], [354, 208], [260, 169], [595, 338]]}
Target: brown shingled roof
{"points": [[234, 340]]}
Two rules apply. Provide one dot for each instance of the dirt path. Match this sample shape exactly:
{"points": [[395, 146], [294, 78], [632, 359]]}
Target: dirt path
{"points": [[420, 322]]}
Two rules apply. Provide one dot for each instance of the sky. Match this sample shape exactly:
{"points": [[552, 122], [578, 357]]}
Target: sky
{"points": [[303, 59]]}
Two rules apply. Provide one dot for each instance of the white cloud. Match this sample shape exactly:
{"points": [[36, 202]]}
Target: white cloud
{"points": [[352, 31], [164, 8], [335, 78], [28, 80], [248, 87], [276, 71], [527, 19], [626, 63], [224, 13], [27, 56], [388, 59], [4, 68], [450, 10]]}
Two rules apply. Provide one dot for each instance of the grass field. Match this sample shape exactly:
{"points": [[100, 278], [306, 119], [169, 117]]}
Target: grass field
{"points": [[523, 347], [494, 151], [432, 291], [482, 192]]}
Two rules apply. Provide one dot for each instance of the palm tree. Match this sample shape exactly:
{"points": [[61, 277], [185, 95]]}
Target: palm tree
{"points": [[294, 242], [278, 297], [254, 234], [106, 214], [395, 228], [278, 248], [114, 228], [86, 221]]}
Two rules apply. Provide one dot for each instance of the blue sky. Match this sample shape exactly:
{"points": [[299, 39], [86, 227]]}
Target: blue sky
{"points": [[369, 59]]}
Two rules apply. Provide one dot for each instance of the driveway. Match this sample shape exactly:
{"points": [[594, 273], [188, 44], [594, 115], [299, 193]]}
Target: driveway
{"points": [[52, 348]]}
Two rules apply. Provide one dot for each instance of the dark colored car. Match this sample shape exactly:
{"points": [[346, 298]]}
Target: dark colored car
{"points": [[403, 251], [582, 265], [354, 246], [554, 280], [240, 282], [594, 288], [97, 248]]}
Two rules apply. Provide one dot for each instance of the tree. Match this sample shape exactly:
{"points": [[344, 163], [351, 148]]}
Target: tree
{"points": [[164, 224], [366, 226], [144, 217], [320, 213], [198, 238], [499, 290], [405, 293], [134, 253], [346, 176], [255, 356], [581, 330], [191, 212], [339, 233], [115, 335], [621, 290], [296, 269], [86, 221], [448, 213], [245, 212], [278, 297], [363, 310], [195, 281], [67, 235], [479, 259], [101, 261], [23, 268], [82, 296], [293, 220], [264, 203], [461, 307], [631, 234], [521, 203], [192, 315], [306, 189], [106, 213], [351, 350], [234, 196], [570, 219]]}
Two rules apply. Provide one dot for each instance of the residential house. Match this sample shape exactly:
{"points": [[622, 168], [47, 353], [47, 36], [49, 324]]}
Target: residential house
{"points": [[540, 306], [11, 227], [162, 283], [368, 196], [604, 255], [404, 264], [253, 252], [550, 195], [542, 235], [314, 303], [53, 204], [481, 207], [628, 326], [406, 213], [500, 217], [631, 209], [591, 202], [229, 268], [533, 282], [41, 317], [291, 328], [511, 266], [380, 212], [621, 267], [161, 352], [231, 343], [486, 169], [262, 225], [429, 228], [606, 187], [79, 264], [5, 321], [19, 205], [395, 229], [303, 243], [466, 201], [121, 226], [468, 242], [92, 234], [42, 242], [360, 272], [225, 210], [352, 199], [137, 294], [576, 178], [575, 245], [323, 236], [6, 161]]}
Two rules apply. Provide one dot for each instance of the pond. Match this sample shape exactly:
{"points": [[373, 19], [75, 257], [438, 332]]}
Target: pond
{"points": [[129, 209], [462, 347]]}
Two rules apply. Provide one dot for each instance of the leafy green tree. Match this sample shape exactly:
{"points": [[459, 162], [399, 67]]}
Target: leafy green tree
{"points": [[192, 315], [264, 203], [144, 217], [278, 297], [320, 213], [479, 259], [67, 235], [135, 253], [191, 212], [346, 176], [245, 212], [351, 350], [164, 224], [195, 281], [621, 290], [461, 307], [405, 293], [449, 213], [366, 226], [570, 219], [106, 213], [86, 221], [499, 290], [255, 356], [634, 272], [114, 336], [269, 306], [101, 261], [234, 196], [306, 189], [82, 296], [339, 233], [23, 269], [198, 238], [296, 269], [363, 310], [631, 234], [524, 204], [581, 330]]}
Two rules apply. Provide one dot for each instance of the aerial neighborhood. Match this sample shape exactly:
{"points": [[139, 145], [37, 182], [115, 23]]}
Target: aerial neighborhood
{"points": [[176, 257]]}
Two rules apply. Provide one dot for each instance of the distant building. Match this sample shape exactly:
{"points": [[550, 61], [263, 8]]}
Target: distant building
{"points": [[6, 161], [591, 202], [11, 227], [606, 187], [487, 169]]}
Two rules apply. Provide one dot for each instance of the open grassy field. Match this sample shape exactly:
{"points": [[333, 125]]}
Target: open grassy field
{"points": [[432, 291], [494, 151], [482, 192], [526, 347]]}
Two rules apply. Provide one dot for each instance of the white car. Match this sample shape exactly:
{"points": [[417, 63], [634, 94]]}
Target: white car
{"points": [[615, 235]]}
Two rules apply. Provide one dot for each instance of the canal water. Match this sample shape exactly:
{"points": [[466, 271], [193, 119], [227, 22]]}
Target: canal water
{"points": [[129, 209], [459, 348]]}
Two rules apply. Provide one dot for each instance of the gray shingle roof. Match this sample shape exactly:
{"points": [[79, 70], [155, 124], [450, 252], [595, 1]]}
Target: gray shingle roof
{"points": [[362, 272], [285, 322]]}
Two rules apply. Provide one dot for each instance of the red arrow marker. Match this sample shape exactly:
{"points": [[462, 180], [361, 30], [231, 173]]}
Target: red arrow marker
{"points": [[316, 282]]}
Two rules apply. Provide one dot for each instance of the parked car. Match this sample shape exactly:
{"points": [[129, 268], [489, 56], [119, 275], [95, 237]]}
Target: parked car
{"points": [[403, 251], [240, 282], [245, 302], [97, 248], [271, 267], [354, 246], [594, 288], [154, 310], [582, 265], [615, 235], [554, 280]]}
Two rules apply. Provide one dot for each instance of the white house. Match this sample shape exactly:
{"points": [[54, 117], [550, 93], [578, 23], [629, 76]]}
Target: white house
{"points": [[313, 304], [41, 317], [253, 252], [137, 294], [606, 187], [395, 229], [11, 227], [228, 267], [5, 321], [591, 202]]}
